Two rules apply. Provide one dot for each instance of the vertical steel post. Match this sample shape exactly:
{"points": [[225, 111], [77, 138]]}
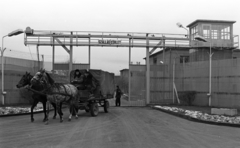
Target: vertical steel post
{"points": [[71, 55], [89, 52], [210, 68], [147, 72], [169, 73], [183, 73], [129, 72], [173, 79], [210, 75], [164, 68], [38, 57], [2, 51], [53, 55], [43, 61]]}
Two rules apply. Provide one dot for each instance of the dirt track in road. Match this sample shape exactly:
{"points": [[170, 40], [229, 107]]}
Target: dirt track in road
{"points": [[122, 127]]}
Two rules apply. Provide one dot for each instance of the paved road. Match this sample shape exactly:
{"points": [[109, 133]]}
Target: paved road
{"points": [[122, 127]]}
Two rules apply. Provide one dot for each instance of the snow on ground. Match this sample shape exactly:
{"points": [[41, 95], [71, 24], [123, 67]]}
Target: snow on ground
{"points": [[201, 115], [17, 110]]}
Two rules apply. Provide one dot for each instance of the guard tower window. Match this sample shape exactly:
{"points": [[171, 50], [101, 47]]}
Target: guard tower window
{"points": [[206, 31], [194, 32], [215, 31], [184, 59], [225, 33], [154, 61]]}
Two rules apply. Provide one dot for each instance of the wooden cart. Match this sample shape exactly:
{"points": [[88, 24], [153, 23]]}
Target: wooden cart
{"points": [[90, 102]]}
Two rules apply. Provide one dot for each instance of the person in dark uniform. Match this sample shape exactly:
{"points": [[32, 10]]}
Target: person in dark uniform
{"points": [[118, 96]]}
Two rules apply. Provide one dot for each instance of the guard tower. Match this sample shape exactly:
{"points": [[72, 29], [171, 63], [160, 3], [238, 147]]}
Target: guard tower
{"points": [[218, 32], [218, 35]]}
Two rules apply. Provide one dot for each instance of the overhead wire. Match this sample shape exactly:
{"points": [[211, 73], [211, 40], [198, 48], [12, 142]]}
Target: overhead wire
{"points": [[30, 52]]}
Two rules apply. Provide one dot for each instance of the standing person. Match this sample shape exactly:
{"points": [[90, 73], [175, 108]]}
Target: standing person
{"points": [[118, 96]]}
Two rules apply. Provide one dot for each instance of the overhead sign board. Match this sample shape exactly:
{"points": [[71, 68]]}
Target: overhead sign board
{"points": [[110, 42]]}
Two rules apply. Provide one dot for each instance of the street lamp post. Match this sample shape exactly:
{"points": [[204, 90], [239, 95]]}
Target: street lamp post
{"points": [[181, 26], [200, 38], [16, 32]]}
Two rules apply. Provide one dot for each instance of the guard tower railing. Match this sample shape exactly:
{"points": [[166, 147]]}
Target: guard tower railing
{"points": [[236, 41]]}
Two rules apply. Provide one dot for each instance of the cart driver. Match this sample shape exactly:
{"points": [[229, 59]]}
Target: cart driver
{"points": [[77, 75], [77, 79]]}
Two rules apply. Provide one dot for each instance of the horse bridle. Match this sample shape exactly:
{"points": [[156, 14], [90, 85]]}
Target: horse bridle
{"points": [[40, 79]]}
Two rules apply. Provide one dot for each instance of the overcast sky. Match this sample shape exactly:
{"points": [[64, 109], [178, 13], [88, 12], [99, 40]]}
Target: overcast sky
{"points": [[150, 16]]}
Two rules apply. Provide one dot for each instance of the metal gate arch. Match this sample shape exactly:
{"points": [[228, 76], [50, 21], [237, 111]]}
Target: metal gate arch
{"points": [[69, 39]]}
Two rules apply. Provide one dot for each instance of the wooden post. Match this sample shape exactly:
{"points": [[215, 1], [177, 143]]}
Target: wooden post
{"points": [[147, 72]]}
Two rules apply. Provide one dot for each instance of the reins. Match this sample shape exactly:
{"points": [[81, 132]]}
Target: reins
{"points": [[53, 93]]}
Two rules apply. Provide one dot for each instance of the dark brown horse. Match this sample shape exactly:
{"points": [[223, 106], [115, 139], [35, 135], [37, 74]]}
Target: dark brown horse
{"points": [[57, 92], [25, 81]]}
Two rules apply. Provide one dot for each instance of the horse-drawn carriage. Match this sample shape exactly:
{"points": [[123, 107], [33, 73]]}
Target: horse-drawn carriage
{"points": [[95, 87], [87, 91]]}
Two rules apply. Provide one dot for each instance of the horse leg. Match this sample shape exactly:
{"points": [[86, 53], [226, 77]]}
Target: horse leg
{"points": [[75, 109], [44, 110], [76, 112], [55, 110], [71, 111], [59, 109], [48, 105], [33, 105]]}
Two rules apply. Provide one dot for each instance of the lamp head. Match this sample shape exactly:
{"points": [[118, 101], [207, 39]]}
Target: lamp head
{"points": [[200, 38], [15, 32], [179, 25]]}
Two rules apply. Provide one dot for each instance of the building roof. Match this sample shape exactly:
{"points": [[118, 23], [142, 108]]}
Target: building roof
{"points": [[123, 70], [210, 21], [161, 51]]}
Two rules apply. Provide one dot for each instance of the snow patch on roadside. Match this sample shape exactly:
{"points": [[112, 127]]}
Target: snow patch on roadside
{"points": [[202, 116], [18, 110]]}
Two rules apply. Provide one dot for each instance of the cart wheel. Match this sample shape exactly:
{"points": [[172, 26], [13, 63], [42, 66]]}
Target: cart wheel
{"points": [[94, 109], [106, 106]]}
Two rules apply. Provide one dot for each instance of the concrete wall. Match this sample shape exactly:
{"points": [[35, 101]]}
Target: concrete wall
{"points": [[14, 69], [169, 56], [225, 81], [65, 66], [138, 82], [203, 54], [194, 76]]}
